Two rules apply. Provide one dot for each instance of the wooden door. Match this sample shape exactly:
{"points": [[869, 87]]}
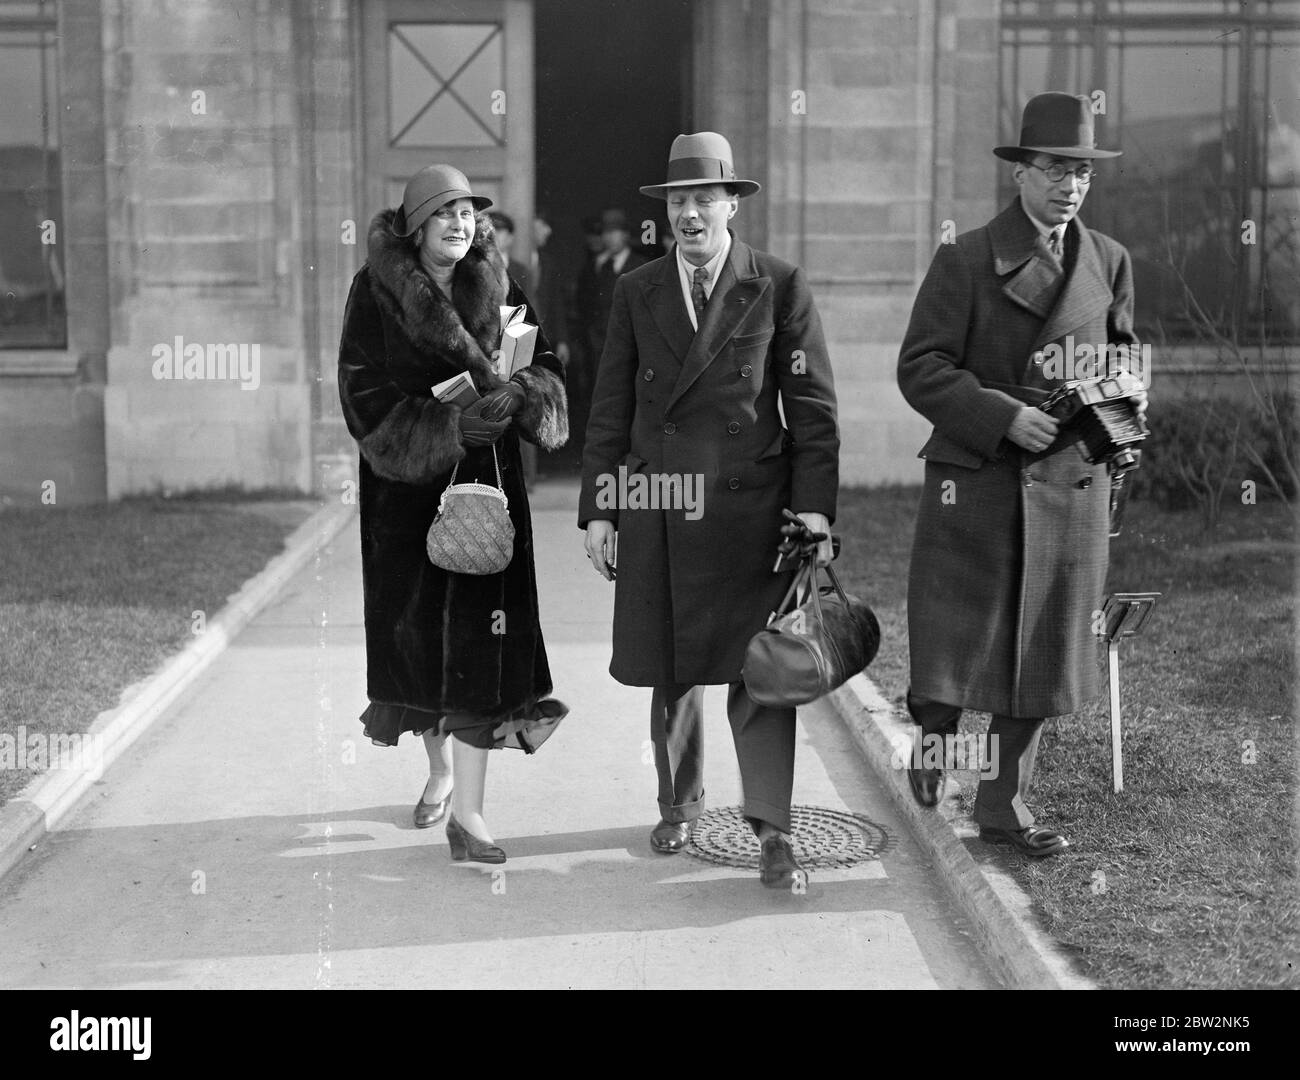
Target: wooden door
{"points": [[450, 81]]}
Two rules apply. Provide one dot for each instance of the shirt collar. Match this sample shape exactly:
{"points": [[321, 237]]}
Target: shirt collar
{"points": [[713, 266], [1045, 231]]}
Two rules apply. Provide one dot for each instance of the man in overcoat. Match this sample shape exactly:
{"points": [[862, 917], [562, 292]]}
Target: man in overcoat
{"points": [[1010, 554], [702, 344]]}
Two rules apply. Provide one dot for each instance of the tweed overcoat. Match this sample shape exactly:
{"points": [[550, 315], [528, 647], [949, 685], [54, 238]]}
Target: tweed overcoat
{"points": [[435, 640], [1010, 554], [672, 402]]}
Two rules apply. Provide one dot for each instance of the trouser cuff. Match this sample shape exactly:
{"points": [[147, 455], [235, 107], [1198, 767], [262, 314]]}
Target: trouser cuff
{"points": [[757, 812], [1015, 816], [688, 811]]}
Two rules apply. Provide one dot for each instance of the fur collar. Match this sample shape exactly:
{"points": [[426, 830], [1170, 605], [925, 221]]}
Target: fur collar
{"points": [[462, 333]]}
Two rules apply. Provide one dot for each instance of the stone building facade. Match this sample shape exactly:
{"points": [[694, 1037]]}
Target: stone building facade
{"points": [[210, 166]]}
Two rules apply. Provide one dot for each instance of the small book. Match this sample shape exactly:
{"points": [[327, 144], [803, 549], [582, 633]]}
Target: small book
{"points": [[458, 390]]}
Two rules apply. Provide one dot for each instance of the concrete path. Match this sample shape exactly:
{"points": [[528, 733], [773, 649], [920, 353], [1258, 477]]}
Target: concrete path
{"points": [[254, 838]]}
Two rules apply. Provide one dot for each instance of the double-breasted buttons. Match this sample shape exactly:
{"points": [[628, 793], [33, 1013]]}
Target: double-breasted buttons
{"points": [[670, 428], [733, 428], [734, 483], [746, 370], [649, 375]]}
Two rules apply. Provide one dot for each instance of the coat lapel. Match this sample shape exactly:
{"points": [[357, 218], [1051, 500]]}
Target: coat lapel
{"points": [[1036, 277], [664, 297], [739, 286], [1086, 291]]}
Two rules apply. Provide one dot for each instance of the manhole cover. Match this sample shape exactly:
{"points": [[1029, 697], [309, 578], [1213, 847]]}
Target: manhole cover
{"points": [[822, 839]]}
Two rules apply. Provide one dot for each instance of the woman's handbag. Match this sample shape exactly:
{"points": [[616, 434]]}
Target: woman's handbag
{"points": [[809, 650], [472, 532]]}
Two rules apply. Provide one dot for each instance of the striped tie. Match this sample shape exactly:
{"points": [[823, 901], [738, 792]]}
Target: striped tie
{"points": [[1054, 243]]}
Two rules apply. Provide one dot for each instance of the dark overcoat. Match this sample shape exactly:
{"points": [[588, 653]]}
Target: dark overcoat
{"points": [[1010, 555], [671, 402], [434, 639]]}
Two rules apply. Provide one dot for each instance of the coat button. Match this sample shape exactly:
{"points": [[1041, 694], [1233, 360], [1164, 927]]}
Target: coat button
{"points": [[670, 428], [1086, 482], [1038, 358], [1027, 480], [733, 428], [746, 370], [734, 483], [649, 375]]}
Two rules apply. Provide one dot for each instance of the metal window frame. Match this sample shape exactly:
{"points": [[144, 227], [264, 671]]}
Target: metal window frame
{"points": [[1255, 21], [46, 24]]}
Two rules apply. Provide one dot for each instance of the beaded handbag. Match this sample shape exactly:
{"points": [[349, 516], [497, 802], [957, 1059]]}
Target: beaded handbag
{"points": [[472, 532]]}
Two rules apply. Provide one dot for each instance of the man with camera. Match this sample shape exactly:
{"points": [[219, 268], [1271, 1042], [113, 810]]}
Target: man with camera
{"points": [[1012, 538]]}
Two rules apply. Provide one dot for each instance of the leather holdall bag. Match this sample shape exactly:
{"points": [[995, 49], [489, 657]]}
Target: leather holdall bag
{"points": [[808, 650]]}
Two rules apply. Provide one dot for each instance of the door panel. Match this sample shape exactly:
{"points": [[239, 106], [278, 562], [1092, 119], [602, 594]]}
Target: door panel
{"points": [[450, 81]]}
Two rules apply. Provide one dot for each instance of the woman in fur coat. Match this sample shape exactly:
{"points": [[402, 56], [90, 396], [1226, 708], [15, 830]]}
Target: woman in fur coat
{"points": [[446, 654]]}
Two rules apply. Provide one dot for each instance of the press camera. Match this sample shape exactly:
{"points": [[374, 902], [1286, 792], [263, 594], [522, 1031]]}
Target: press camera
{"points": [[1104, 414]]}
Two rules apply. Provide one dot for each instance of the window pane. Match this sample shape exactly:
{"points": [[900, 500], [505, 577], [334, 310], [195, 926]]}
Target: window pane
{"points": [[32, 301], [1275, 261], [443, 81], [1172, 198], [1205, 196]]}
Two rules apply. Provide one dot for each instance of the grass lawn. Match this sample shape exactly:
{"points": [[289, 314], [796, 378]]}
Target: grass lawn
{"points": [[1187, 879], [93, 599]]}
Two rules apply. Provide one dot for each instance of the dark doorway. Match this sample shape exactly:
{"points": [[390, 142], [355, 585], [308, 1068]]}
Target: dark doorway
{"points": [[613, 88]]}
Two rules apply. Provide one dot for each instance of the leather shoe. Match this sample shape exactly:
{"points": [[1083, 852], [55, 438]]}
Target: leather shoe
{"points": [[466, 847], [427, 814], [669, 837], [777, 865], [1032, 841], [926, 785]]}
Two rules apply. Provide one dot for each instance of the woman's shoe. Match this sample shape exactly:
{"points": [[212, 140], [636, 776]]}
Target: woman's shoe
{"points": [[427, 814], [466, 847]]}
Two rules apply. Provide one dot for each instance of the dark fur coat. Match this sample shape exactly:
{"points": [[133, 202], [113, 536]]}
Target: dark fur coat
{"points": [[438, 641]]}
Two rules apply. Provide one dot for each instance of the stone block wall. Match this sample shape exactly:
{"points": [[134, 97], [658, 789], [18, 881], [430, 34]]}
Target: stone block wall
{"points": [[203, 149]]}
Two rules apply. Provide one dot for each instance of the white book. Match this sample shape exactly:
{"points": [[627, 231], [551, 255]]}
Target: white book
{"points": [[511, 315], [517, 344]]}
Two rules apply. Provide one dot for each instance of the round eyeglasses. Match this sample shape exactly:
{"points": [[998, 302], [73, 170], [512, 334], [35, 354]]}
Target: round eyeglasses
{"points": [[1056, 172]]}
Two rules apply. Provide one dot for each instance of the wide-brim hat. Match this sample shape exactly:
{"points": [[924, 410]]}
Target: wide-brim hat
{"points": [[1057, 124], [432, 188], [702, 158]]}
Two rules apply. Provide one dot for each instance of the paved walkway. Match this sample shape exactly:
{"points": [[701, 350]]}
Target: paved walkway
{"points": [[253, 838]]}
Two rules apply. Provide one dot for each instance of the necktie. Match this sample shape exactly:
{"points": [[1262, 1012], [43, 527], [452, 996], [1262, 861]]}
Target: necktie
{"points": [[1054, 243], [698, 298]]}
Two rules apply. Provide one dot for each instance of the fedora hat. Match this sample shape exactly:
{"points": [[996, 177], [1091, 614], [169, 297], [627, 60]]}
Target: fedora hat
{"points": [[1057, 124], [702, 158], [432, 188]]}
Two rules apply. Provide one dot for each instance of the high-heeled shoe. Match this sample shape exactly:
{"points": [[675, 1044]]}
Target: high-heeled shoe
{"points": [[427, 814], [466, 847]]}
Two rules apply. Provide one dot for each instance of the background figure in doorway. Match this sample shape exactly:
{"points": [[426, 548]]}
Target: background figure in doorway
{"points": [[504, 225], [593, 299]]}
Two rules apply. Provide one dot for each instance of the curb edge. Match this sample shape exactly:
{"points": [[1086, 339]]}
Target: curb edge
{"points": [[1020, 952], [48, 797]]}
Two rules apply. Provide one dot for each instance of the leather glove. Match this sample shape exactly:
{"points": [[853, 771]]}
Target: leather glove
{"points": [[799, 542], [477, 431], [501, 403]]}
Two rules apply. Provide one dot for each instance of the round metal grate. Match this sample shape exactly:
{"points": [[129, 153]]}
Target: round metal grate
{"points": [[822, 839]]}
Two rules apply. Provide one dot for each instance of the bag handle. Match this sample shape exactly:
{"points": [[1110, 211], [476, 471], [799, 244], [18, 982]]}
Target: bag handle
{"points": [[495, 462], [807, 575]]}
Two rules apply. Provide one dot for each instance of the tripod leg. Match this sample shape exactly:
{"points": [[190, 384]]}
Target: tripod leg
{"points": [[1116, 746]]}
